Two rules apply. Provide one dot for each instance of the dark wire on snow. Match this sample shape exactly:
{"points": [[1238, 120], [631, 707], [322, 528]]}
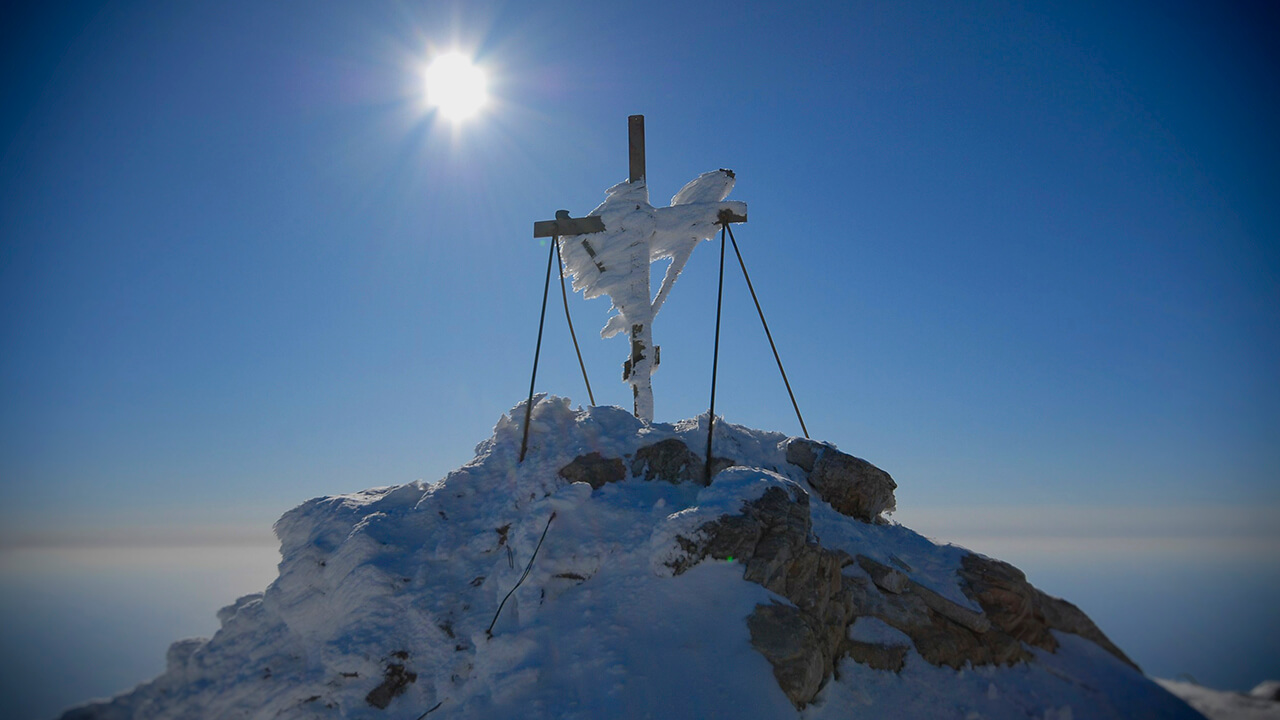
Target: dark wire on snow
{"points": [[489, 632]]}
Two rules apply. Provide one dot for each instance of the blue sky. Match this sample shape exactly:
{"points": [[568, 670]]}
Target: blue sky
{"points": [[1014, 253], [1020, 255]]}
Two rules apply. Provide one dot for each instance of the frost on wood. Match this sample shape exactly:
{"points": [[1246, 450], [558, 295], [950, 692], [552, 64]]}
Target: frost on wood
{"points": [[616, 262]]}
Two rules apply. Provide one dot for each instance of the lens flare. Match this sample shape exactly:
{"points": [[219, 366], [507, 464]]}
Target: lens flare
{"points": [[456, 86]]}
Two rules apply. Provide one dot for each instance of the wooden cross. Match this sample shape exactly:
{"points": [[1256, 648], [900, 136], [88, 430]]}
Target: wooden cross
{"points": [[634, 234]]}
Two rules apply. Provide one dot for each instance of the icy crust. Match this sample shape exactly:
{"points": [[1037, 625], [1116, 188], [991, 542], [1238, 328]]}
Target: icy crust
{"points": [[385, 597]]}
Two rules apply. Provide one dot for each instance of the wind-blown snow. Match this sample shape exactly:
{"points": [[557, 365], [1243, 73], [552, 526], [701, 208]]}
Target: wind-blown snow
{"points": [[401, 582], [615, 262]]}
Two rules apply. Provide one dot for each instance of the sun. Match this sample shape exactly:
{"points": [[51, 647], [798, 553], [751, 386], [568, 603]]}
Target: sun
{"points": [[456, 86]]}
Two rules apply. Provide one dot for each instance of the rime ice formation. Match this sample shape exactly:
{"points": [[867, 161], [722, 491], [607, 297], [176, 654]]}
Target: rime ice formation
{"points": [[779, 590], [616, 262]]}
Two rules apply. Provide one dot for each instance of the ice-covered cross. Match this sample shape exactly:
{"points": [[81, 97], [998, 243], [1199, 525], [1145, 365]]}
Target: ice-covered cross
{"points": [[615, 261]]}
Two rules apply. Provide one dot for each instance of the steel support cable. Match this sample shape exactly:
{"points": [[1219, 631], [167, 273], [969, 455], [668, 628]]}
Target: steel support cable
{"points": [[527, 568], [715, 355], [528, 409], [564, 294], [762, 322]]}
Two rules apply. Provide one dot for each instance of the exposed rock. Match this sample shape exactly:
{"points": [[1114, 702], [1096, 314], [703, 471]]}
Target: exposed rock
{"points": [[721, 463], [932, 622], [803, 452], [1066, 617], [852, 486], [771, 538], [1025, 613], [877, 655], [669, 460], [394, 681], [594, 469], [791, 642], [885, 578], [975, 621], [942, 642]]}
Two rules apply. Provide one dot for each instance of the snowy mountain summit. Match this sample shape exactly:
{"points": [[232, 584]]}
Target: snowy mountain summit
{"points": [[604, 578]]}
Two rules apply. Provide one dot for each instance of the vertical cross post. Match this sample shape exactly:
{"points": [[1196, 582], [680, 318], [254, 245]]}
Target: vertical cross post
{"points": [[635, 147], [640, 333]]}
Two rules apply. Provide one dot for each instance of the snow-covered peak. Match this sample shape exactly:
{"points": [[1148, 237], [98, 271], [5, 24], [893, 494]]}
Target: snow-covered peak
{"points": [[604, 577]]}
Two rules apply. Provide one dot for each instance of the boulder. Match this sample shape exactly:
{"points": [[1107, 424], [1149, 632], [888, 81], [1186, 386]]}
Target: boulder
{"points": [[669, 460], [594, 469], [803, 452], [850, 485]]}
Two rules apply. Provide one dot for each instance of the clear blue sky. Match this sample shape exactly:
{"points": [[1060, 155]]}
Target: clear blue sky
{"points": [[1023, 256], [1014, 253]]}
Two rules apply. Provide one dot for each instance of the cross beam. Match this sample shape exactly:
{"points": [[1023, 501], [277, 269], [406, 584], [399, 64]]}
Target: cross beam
{"points": [[630, 229], [565, 225]]}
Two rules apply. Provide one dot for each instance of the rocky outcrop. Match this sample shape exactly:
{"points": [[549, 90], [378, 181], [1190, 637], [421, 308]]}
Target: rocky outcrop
{"points": [[850, 485], [804, 640], [594, 469], [1024, 612], [943, 632], [669, 460], [772, 539]]}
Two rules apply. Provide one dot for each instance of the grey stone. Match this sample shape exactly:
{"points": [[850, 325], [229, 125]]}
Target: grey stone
{"points": [[1017, 608], [669, 460], [594, 469], [851, 485], [790, 641], [958, 614], [803, 453], [772, 539], [885, 577], [933, 622], [1066, 617], [876, 655]]}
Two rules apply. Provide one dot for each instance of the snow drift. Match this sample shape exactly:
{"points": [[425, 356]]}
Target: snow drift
{"points": [[776, 590]]}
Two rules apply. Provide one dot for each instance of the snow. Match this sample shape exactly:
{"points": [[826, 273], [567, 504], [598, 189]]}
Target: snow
{"points": [[406, 580], [616, 262], [1226, 705]]}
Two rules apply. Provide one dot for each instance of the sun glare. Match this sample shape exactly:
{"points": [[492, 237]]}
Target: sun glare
{"points": [[456, 86]]}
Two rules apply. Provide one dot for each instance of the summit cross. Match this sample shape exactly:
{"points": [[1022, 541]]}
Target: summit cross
{"points": [[614, 259]]}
